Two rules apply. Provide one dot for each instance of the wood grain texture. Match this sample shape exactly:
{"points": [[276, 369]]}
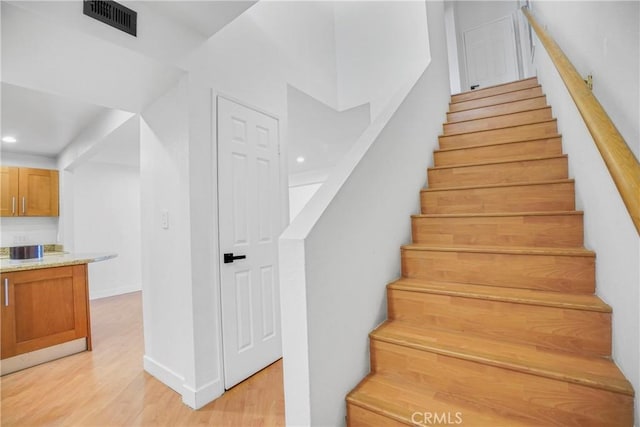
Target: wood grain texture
{"points": [[502, 151], [499, 172], [532, 197], [545, 129], [495, 315], [550, 270], [495, 90], [620, 160], [8, 191], [552, 327], [499, 109], [545, 229], [501, 121], [46, 307], [108, 386], [532, 383], [39, 192], [496, 99]]}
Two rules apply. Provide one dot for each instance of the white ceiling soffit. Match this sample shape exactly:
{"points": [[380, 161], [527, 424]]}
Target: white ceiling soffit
{"points": [[204, 17], [43, 123], [122, 146], [42, 55]]}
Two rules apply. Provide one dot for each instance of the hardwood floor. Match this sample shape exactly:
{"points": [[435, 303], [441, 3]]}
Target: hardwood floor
{"points": [[108, 387]]}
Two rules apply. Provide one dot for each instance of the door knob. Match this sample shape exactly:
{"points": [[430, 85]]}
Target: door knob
{"points": [[228, 258]]}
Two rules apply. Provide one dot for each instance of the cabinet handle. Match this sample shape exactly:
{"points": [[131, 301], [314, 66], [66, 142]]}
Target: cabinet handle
{"points": [[13, 205], [6, 292], [23, 205]]}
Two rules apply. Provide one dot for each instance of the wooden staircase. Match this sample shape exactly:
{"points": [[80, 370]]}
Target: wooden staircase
{"points": [[494, 321]]}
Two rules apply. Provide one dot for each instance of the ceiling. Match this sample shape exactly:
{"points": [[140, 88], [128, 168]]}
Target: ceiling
{"points": [[42, 123], [204, 17], [61, 71]]}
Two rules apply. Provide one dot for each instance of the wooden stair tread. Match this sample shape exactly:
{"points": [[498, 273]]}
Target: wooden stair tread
{"points": [[399, 400], [491, 144], [497, 214], [497, 99], [502, 250], [595, 372], [499, 89], [490, 110], [505, 115], [510, 184], [513, 295], [498, 162], [495, 86], [496, 129]]}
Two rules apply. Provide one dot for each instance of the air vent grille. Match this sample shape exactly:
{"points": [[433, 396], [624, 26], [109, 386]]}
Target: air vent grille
{"points": [[113, 14]]}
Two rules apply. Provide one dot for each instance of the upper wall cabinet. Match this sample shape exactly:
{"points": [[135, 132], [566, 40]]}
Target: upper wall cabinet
{"points": [[29, 192]]}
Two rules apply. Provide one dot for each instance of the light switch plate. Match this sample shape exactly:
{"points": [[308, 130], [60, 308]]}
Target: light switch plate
{"points": [[164, 218]]}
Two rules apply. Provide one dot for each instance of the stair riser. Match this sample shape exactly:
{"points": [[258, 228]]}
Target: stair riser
{"points": [[512, 151], [524, 198], [577, 331], [528, 230], [515, 119], [516, 133], [498, 99], [495, 90], [495, 110], [544, 272], [552, 402], [360, 417], [500, 173]]}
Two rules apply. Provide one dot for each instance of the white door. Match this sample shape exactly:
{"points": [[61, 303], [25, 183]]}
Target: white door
{"points": [[249, 215], [490, 53]]}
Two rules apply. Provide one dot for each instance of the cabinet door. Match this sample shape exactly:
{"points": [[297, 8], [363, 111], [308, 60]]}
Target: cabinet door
{"points": [[44, 307], [38, 190], [8, 191]]}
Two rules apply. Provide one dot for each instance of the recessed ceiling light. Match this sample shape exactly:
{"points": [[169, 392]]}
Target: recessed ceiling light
{"points": [[9, 139], [300, 159]]}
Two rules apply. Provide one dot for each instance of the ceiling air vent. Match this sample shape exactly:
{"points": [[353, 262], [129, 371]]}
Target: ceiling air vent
{"points": [[113, 14]]}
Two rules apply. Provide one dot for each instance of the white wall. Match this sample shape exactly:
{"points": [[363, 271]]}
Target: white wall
{"points": [[452, 47], [18, 231], [379, 46], [299, 196], [471, 14], [609, 230], [179, 272], [343, 248], [107, 219], [602, 38]]}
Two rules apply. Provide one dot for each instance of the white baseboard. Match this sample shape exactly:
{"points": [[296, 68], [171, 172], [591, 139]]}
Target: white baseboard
{"points": [[104, 293], [164, 375], [196, 399]]}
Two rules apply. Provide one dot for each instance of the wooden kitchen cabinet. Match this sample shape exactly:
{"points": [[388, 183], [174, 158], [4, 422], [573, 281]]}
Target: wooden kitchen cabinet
{"points": [[29, 192], [44, 307]]}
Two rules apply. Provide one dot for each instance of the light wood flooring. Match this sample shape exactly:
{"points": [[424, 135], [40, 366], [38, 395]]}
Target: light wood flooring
{"points": [[108, 387]]}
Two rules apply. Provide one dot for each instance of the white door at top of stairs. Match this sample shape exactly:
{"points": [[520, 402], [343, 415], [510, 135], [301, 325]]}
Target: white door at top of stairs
{"points": [[490, 54]]}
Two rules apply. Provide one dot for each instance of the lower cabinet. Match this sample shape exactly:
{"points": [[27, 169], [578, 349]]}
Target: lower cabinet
{"points": [[44, 307]]}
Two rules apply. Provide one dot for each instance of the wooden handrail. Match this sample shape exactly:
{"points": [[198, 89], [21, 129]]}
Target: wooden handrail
{"points": [[622, 164]]}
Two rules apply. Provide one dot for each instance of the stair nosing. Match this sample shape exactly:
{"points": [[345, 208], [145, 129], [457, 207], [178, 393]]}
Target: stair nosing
{"points": [[492, 360], [498, 103], [494, 115], [497, 214], [442, 150], [493, 105], [491, 87], [398, 285], [516, 250], [510, 184], [498, 162], [499, 128]]}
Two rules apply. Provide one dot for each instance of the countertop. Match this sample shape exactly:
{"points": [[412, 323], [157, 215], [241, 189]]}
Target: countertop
{"points": [[58, 259]]}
